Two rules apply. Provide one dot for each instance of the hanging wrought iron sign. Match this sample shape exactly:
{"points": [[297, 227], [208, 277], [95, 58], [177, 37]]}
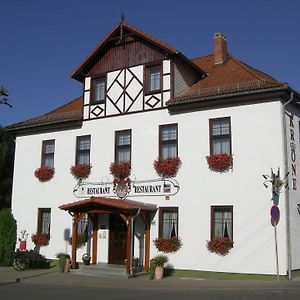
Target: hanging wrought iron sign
{"points": [[137, 188]]}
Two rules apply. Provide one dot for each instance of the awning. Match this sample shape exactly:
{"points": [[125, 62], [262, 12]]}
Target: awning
{"points": [[106, 204]]}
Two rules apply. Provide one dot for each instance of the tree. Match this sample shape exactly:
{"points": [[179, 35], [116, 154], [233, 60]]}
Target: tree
{"points": [[6, 167], [3, 95], [8, 236]]}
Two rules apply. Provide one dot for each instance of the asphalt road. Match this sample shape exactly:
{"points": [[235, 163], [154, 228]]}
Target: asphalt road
{"points": [[32, 291]]}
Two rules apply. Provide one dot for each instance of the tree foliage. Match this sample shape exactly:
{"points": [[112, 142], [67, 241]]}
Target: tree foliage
{"points": [[6, 167], [3, 96], [8, 236]]}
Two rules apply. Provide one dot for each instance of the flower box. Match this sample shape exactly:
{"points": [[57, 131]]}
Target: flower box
{"points": [[40, 239], [219, 162], [220, 246], [44, 173], [81, 171], [169, 245], [120, 170], [167, 167]]}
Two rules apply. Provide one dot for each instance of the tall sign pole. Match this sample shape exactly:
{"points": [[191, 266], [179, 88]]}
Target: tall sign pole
{"points": [[275, 216]]}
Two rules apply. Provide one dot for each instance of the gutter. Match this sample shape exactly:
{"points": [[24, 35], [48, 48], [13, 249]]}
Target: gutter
{"points": [[287, 194]]}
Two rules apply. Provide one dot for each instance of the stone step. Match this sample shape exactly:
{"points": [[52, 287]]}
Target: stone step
{"points": [[101, 270]]}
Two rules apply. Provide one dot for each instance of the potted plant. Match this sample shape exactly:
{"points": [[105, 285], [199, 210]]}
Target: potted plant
{"points": [[44, 174], [81, 171], [220, 246], [167, 167], [120, 170], [40, 239], [63, 262], [219, 162], [168, 245], [159, 263]]}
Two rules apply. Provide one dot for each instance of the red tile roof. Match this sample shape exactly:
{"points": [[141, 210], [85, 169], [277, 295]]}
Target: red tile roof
{"points": [[233, 76], [71, 111], [99, 202]]}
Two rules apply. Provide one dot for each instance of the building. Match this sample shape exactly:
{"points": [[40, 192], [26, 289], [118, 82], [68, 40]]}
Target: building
{"points": [[143, 99]]}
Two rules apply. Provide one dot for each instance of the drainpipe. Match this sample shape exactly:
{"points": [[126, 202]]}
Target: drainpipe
{"points": [[287, 194], [131, 239]]}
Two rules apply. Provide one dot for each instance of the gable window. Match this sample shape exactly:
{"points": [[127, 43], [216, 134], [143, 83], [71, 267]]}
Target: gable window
{"points": [[83, 150], [48, 148], [98, 89], [44, 220], [220, 136], [123, 146], [153, 78], [221, 222], [168, 141], [168, 222]]}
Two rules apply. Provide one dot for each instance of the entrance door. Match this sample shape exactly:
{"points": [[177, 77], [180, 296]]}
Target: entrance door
{"points": [[117, 240]]}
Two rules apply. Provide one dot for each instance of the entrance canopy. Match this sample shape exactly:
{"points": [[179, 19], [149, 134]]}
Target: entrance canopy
{"points": [[98, 205]]}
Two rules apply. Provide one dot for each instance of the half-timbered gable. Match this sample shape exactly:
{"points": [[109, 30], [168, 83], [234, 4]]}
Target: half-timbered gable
{"points": [[130, 71]]}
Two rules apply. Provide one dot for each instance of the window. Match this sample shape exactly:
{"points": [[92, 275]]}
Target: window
{"points": [[168, 222], [48, 148], [44, 220], [220, 136], [98, 89], [168, 141], [123, 146], [83, 150], [221, 222], [153, 78]]}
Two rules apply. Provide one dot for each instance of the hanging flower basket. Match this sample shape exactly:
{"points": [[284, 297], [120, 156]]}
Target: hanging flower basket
{"points": [[81, 240], [220, 246], [167, 167], [219, 162], [120, 170], [44, 173], [81, 171], [170, 245], [40, 239]]}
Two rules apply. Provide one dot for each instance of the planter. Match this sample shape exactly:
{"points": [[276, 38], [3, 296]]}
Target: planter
{"points": [[159, 273], [220, 246], [86, 259], [81, 172], [44, 174], [40, 239], [170, 245], [120, 170], [219, 162], [167, 167]]}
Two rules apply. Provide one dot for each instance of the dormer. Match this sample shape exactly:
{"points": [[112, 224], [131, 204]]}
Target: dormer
{"points": [[130, 71]]}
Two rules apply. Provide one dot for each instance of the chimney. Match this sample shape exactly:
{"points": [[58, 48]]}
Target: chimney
{"points": [[220, 43]]}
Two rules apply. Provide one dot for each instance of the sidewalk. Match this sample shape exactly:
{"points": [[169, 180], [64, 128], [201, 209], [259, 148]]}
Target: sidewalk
{"points": [[53, 277]]}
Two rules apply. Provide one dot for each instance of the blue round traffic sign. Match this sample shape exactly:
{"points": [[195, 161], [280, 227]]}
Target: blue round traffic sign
{"points": [[275, 213]]}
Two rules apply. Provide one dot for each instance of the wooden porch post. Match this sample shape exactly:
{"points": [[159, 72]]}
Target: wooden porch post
{"points": [[95, 239], [128, 250], [147, 243], [74, 241]]}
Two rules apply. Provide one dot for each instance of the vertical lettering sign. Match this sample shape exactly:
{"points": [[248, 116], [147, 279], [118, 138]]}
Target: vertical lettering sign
{"points": [[293, 152]]}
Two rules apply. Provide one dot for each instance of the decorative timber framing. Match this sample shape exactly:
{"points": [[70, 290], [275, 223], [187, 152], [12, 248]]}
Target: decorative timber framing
{"points": [[127, 210]]}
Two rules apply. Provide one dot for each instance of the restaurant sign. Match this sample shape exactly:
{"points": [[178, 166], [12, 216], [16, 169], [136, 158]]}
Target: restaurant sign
{"points": [[152, 187]]}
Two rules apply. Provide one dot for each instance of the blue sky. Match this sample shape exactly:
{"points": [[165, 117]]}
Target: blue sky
{"points": [[43, 41]]}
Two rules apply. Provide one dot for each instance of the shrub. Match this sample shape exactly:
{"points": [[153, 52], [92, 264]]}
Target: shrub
{"points": [[62, 261], [160, 260], [8, 237]]}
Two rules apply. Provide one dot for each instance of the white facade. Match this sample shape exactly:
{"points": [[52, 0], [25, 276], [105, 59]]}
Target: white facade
{"points": [[258, 144]]}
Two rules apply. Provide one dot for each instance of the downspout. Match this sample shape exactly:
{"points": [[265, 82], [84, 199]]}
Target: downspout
{"points": [[287, 194], [131, 239]]}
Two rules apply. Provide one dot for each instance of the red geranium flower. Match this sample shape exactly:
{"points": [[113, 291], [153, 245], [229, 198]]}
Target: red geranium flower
{"points": [[81, 171], [44, 173], [219, 162], [40, 239], [220, 246], [169, 245], [167, 167], [120, 170]]}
